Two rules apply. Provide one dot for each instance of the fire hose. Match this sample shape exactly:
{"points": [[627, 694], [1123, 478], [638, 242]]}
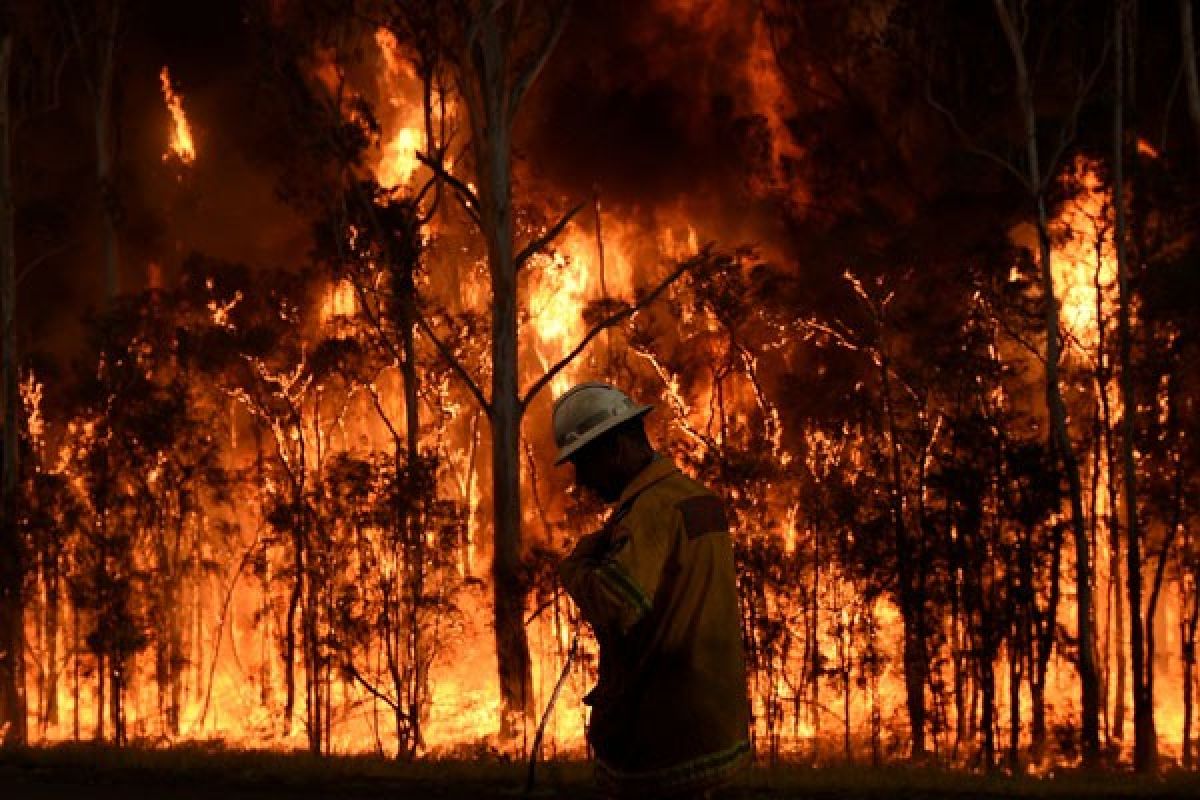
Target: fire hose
{"points": [[572, 651], [541, 729]]}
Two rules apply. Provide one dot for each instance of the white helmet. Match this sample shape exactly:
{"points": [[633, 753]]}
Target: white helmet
{"points": [[588, 410]]}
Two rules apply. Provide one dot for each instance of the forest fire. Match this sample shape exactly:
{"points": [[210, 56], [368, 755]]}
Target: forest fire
{"points": [[944, 391]]}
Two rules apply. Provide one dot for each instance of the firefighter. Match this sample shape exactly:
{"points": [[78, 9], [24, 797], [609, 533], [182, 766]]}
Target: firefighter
{"points": [[657, 585]]}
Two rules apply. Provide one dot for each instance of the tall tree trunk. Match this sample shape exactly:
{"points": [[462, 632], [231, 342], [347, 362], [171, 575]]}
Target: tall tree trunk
{"points": [[50, 626], [1043, 646], [1187, 36], [106, 149], [12, 572], [911, 594], [1060, 436], [987, 685], [489, 103], [1015, 664], [1106, 447], [1188, 624], [1144, 744], [101, 685]]}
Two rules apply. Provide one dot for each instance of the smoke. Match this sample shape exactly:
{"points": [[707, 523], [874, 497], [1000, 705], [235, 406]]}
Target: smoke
{"points": [[672, 104]]}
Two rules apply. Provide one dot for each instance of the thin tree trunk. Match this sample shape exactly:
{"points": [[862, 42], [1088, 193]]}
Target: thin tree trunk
{"points": [[101, 684], [51, 616], [1059, 434], [1014, 710], [1144, 744], [76, 649], [1044, 643], [106, 151], [987, 684], [1187, 36], [1187, 642], [911, 595], [12, 572]]}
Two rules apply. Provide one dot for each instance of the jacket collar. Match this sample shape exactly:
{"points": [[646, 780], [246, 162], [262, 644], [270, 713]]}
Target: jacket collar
{"points": [[661, 467]]}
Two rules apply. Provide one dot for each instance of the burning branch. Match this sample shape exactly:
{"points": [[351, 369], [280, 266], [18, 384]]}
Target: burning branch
{"points": [[181, 144], [470, 201], [455, 365], [615, 319], [546, 238]]}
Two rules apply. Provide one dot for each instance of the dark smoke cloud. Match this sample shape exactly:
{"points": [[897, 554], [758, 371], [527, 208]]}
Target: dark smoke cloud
{"points": [[650, 102]]}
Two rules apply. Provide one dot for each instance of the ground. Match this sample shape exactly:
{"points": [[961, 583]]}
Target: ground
{"points": [[208, 773]]}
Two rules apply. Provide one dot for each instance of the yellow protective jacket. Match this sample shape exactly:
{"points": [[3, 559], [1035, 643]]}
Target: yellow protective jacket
{"points": [[658, 586]]}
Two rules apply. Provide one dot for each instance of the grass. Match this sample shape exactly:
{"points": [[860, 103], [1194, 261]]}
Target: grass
{"points": [[199, 772]]}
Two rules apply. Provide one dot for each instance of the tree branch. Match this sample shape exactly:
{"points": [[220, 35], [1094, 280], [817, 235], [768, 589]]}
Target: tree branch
{"points": [[526, 79], [466, 194], [968, 141], [546, 238], [608, 322], [455, 365], [348, 665], [38, 260]]}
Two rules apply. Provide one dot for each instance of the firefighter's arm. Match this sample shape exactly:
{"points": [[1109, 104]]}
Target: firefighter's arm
{"points": [[614, 585]]}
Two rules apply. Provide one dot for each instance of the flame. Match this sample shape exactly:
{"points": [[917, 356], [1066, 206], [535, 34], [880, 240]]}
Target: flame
{"points": [[181, 145], [340, 301], [1084, 261]]}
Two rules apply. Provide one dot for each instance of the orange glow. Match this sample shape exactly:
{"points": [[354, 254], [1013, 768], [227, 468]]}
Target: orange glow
{"points": [[1146, 149], [181, 145]]}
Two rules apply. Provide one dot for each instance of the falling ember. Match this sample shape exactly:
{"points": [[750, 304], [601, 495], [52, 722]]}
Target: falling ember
{"points": [[181, 145]]}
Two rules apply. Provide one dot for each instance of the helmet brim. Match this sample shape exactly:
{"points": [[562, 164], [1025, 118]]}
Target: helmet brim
{"points": [[595, 433]]}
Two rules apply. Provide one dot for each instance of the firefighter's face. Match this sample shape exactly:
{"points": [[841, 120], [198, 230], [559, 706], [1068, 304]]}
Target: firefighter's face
{"points": [[599, 468]]}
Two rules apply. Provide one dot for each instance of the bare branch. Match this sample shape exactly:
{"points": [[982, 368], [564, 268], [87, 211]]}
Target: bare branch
{"points": [[1066, 134], [455, 365], [348, 665], [526, 79], [39, 260], [609, 321], [469, 199], [546, 238], [969, 141]]}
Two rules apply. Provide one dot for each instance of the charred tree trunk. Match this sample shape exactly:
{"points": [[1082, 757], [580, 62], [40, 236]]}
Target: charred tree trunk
{"points": [[101, 685], [51, 622], [1188, 624], [289, 635], [1043, 646], [911, 594], [987, 685], [12, 573]]}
